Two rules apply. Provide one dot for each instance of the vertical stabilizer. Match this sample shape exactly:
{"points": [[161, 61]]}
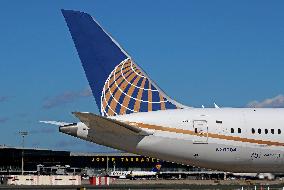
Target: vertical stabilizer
{"points": [[118, 84]]}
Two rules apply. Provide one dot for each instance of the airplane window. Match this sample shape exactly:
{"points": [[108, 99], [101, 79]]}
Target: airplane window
{"points": [[252, 130], [218, 121], [259, 131], [272, 131], [239, 130], [279, 131], [266, 131], [232, 130]]}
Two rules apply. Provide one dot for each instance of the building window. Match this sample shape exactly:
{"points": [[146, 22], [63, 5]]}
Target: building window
{"points": [[259, 131], [239, 130], [279, 131], [232, 130], [265, 131], [252, 130], [272, 131]]}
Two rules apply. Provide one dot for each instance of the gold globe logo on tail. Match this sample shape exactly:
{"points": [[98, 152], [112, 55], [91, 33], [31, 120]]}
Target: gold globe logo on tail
{"points": [[128, 90]]}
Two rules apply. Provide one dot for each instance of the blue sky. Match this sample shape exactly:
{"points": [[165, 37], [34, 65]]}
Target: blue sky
{"points": [[199, 52]]}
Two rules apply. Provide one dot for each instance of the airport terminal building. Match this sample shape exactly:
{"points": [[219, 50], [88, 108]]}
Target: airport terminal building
{"points": [[37, 160]]}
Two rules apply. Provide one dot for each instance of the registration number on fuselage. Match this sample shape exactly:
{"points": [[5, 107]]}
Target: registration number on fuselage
{"points": [[226, 149]]}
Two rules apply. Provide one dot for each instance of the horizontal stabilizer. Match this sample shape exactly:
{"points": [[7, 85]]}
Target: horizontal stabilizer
{"points": [[58, 123], [104, 123]]}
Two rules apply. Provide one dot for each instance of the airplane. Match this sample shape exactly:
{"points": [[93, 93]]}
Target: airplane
{"points": [[156, 173], [137, 116], [137, 174], [268, 176]]}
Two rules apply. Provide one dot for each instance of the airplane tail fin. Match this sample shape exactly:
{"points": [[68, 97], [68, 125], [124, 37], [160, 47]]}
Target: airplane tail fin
{"points": [[118, 84], [157, 167]]}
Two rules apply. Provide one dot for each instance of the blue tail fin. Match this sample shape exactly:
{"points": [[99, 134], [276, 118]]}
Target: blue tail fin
{"points": [[157, 167], [118, 84]]}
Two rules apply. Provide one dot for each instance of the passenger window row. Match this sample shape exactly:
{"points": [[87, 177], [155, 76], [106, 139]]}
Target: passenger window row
{"points": [[266, 131], [253, 131]]}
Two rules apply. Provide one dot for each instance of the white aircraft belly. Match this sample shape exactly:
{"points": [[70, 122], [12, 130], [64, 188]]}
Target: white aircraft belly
{"points": [[212, 155]]}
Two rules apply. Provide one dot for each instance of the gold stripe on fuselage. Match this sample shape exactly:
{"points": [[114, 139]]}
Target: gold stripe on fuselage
{"points": [[210, 135]]}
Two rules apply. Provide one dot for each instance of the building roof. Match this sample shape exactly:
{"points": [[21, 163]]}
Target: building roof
{"points": [[117, 154], [102, 154]]}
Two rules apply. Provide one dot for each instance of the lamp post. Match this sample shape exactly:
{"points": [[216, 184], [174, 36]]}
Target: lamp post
{"points": [[23, 134]]}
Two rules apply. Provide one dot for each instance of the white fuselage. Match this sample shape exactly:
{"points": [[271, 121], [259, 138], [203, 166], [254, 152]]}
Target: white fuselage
{"points": [[229, 139]]}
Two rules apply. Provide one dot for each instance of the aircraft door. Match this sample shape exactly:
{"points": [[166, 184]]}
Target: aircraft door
{"points": [[200, 129]]}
